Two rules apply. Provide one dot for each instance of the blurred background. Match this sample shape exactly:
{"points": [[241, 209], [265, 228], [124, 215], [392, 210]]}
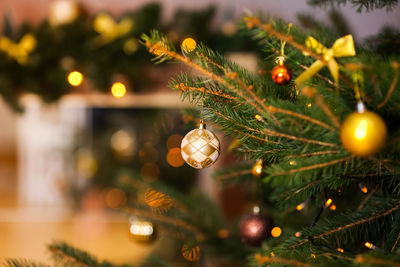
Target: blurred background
{"points": [[62, 164]]}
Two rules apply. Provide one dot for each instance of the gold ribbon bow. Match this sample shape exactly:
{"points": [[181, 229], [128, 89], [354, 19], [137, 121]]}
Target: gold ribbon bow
{"points": [[110, 30], [343, 47], [18, 51]]}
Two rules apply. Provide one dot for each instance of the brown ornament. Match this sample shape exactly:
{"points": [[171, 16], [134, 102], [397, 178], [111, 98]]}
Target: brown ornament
{"points": [[281, 74], [254, 229], [191, 253]]}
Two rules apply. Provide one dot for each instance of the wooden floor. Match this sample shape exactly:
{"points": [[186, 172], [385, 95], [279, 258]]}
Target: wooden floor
{"points": [[106, 239]]}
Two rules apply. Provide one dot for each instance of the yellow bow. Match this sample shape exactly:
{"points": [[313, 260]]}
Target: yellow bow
{"points": [[18, 51], [109, 29], [343, 47]]}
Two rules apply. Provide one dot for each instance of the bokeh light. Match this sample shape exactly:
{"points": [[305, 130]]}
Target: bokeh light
{"points": [[148, 153], [123, 143], [174, 157], [75, 78], [150, 172], [276, 231], [118, 90], [189, 45], [115, 198], [174, 140]]}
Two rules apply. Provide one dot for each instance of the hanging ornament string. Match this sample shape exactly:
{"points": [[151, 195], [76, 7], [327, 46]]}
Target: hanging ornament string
{"points": [[282, 56], [358, 81], [202, 106]]}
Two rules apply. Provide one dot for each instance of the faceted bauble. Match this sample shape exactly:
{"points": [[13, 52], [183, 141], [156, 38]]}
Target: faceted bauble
{"points": [[254, 229], [363, 134], [200, 148], [281, 74]]}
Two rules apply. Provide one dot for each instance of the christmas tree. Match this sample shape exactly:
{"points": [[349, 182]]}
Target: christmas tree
{"points": [[316, 137]]}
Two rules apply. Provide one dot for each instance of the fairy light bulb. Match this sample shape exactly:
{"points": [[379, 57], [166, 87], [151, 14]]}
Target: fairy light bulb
{"points": [[118, 90], [75, 78]]}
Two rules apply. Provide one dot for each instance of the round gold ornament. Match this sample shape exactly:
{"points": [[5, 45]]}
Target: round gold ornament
{"points": [[200, 147], [363, 133]]}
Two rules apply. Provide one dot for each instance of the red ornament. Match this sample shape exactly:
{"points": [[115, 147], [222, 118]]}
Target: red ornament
{"points": [[254, 229], [281, 74]]}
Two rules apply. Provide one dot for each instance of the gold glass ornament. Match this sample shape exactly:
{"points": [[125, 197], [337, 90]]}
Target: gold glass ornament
{"points": [[363, 133], [200, 147]]}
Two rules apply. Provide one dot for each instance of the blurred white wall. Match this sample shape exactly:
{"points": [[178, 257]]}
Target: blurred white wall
{"points": [[363, 24]]}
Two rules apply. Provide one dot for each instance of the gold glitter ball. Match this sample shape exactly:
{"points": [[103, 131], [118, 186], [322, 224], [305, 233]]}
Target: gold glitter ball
{"points": [[200, 148]]}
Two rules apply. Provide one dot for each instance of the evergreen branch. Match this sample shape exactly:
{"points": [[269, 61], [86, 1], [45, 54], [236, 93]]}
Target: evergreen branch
{"points": [[266, 140], [319, 101], [341, 228], [379, 262], [367, 198], [185, 88], [257, 150], [315, 166], [255, 22], [395, 66], [396, 242], [300, 116], [274, 133], [300, 190], [159, 49], [245, 127], [67, 257], [211, 61], [233, 174], [296, 138], [318, 153], [267, 109], [262, 259], [23, 263]]}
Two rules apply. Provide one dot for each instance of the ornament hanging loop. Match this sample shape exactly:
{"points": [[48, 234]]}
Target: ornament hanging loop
{"points": [[358, 81]]}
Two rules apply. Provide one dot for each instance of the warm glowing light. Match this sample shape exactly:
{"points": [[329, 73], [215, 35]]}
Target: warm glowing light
{"points": [[292, 162], [150, 171], [142, 228], [276, 231], [300, 206], [309, 105], [123, 143], [257, 168], [364, 189], [333, 207], [258, 117], [115, 198], [340, 250], [328, 202], [75, 78], [272, 254], [297, 234], [223, 233], [369, 245], [313, 255], [118, 90], [339, 190], [174, 140], [174, 157], [360, 131], [189, 45]]}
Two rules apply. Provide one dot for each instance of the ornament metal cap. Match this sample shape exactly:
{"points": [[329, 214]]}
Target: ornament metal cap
{"points": [[360, 107], [202, 125]]}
